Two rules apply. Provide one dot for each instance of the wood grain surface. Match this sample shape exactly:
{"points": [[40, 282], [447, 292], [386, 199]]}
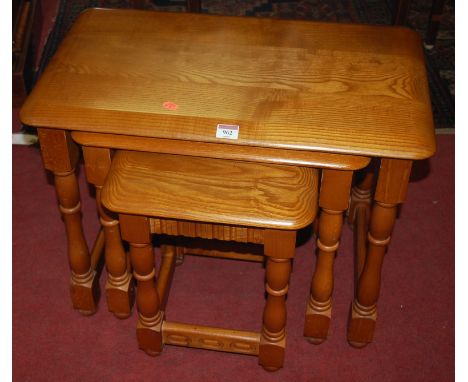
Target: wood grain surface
{"points": [[221, 151], [211, 190], [336, 88]]}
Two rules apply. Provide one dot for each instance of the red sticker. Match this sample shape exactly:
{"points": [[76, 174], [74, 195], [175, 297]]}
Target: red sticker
{"points": [[170, 105]]}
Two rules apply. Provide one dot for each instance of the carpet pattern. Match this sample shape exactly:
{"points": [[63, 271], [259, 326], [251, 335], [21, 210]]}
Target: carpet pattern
{"points": [[440, 60]]}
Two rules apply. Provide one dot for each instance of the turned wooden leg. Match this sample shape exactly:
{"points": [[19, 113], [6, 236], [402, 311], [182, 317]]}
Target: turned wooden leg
{"points": [[334, 196], [391, 190], [361, 193], [60, 155], [364, 310], [319, 306], [166, 273], [180, 255], [136, 230], [359, 212], [280, 248], [315, 226], [273, 337], [119, 283]]}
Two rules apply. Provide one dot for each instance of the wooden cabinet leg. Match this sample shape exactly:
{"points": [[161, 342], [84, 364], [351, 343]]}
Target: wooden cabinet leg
{"points": [[364, 309], [119, 283], [136, 231], [334, 195], [60, 155], [84, 287], [273, 337], [280, 248], [391, 190], [149, 327], [319, 305], [361, 194], [359, 212], [180, 255]]}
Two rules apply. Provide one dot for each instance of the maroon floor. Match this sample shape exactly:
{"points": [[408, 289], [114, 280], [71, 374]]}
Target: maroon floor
{"points": [[414, 340]]}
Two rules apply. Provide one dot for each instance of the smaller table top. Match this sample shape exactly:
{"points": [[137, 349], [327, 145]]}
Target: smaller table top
{"points": [[337, 88], [177, 187]]}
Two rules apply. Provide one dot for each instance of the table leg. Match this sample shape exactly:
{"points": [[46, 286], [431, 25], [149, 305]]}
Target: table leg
{"points": [[334, 196], [361, 194], [119, 284], [60, 155], [280, 248], [391, 190], [136, 230], [359, 212]]}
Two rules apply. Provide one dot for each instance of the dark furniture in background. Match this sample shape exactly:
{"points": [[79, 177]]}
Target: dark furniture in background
{"points": [[192, 5], [27, 21], [401, 11]]}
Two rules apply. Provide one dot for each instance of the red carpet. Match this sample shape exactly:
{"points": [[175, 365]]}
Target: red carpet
{"points": [[414, 340]]}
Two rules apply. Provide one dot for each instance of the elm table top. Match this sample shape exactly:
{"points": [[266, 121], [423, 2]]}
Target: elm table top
{"points": [[333, 88], [243, 194]]}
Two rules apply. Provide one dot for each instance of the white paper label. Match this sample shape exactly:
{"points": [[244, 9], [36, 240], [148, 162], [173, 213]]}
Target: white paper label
{"points": [[227, 131]]}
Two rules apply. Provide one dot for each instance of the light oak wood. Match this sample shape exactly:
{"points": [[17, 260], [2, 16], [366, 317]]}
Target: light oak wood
{"points": [[136, 230], [334, 195], [280, 248], [248, 251], [361, 228], [226, 192], [337, 88], [60, 155], [205, 230], [359, 212], [143, 186], [361, 194], [391, 189], [165, 273], [387, 189], [222, 254], [222, 151], [98, 248], [119, 283], [323, 95], [364, 309], [204, 337]]}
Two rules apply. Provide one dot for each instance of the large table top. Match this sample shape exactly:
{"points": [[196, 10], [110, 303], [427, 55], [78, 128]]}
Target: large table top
{"points": [[337, 88]]}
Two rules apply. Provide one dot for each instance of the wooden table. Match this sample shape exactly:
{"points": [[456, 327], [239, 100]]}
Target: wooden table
{"points": [[331, 96]]}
